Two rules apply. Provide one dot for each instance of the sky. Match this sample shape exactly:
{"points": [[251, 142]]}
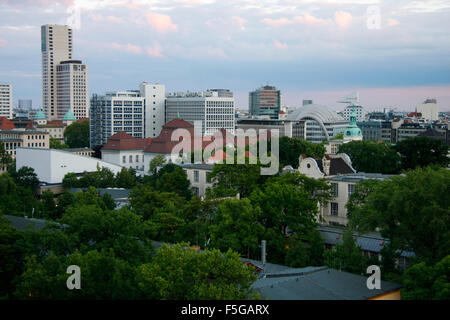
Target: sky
{"points": [[396, 53]]}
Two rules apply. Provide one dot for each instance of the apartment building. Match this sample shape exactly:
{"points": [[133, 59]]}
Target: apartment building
{"points": [[6, 100]]}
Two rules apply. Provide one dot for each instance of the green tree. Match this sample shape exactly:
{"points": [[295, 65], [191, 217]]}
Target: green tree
{"points": [[77, 134], [158, 160], [412, 210], [346, 256], [10, 257], [179, 272], [172, 178], [126, 178], [26, 177], [57, 144], [71, 180], [421, 152], [372, 157], [235, 226], [292, 148], [49, 205], [427, 282], [5, 158]]}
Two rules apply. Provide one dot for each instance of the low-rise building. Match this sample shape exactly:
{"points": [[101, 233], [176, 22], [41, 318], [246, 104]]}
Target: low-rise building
{"points": [[198, 175]]}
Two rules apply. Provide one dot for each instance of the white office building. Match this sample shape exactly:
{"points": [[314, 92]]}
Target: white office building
{"points": [[359, 111], [429, 110], [215, 110], [155, 97], [114, 112], [56, 46], [72, 89], [6, 100]]}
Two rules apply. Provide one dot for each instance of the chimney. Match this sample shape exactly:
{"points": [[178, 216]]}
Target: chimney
{"points": [[263, 254]]}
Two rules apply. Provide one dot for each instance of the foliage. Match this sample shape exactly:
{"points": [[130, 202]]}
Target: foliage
{"points": [[412, 210], [5, 158], [158, 160], [427, 282], [179, 273], [57, 144], [346, 256], [372, 157], [126, 178], [77, 134], [26, 177], [421, 152], [292, 148]]}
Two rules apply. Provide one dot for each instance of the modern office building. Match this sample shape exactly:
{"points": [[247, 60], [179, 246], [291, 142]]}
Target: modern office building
{"points": [[6, 100], [155, 97], [56, 46], [25, 104], [359, 111], [72, 89], [114, 112], [265, 101], [214, 111], [429, 110]]}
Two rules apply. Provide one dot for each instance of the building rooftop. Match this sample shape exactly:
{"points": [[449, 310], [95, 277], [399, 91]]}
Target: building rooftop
{"points": [[355, 177], [69, 116], [317, 112], [6, 124]]}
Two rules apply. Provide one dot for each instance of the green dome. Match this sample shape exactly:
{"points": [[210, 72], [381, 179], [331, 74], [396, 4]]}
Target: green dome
{"points": [[353, 130], [69, 116], [40, 116]]}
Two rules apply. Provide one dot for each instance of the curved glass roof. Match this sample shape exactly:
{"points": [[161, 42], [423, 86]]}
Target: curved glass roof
{"points": [[319, 112]]}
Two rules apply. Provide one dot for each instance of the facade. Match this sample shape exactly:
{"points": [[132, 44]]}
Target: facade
{"points": [[335, 211], [429, 110], [262, 124], [52, 165], [215, 112], [6, 100], [377, 130], [197, 174], [72, 89], [155, 97], [359, 110], [81, 151], [114, 112], [316, 123], [55, 128], [265, 101], [56, 46], [25, 104], [124, 150]]}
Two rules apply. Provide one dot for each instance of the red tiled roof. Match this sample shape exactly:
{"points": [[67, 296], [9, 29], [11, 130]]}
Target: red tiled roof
{"points": [[178, 123], [124, 141], [29, 125], [82, 119], [6, 124], [55, 122]]}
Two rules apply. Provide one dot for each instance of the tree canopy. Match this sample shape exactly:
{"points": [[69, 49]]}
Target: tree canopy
{"points": [[421, 152], [77, 134]]}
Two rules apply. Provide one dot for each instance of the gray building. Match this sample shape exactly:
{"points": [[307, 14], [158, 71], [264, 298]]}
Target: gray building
{"points": [[265, 101]]}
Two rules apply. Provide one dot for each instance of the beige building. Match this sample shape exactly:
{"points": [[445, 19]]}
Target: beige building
{"points": [[198, 175], [6, 100], [72, 89]]}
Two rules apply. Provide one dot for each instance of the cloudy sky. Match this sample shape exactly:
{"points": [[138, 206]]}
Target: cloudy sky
{"points": [[310, 49]]}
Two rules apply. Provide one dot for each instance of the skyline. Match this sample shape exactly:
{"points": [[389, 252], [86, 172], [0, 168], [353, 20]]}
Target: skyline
{"points": [[317, 50]]}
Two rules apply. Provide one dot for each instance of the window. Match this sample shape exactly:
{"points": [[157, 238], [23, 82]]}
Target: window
{"points": [[137, 159], [195, 176], [334, 189], [334, 209], [208, 177], [131, 159], [124, 159], [351, 189]]}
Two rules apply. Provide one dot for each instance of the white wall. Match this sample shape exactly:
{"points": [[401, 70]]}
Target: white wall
{"points": [[116, 157], [52, 165], [155, 98]]}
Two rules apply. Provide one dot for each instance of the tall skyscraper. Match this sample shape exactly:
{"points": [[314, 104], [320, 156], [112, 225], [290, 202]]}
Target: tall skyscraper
{"points": [[155, 97], [6, 100], [72, 89], [265, 101], [215, 111]]}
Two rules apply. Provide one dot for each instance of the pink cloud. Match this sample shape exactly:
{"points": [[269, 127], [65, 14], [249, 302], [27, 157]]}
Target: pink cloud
{"points": [[277, 22], [2, 43], [238, 21], [280, 45], [154, 51], [343, 19], [311, 20], [126, 47], [100, 18], [160, 22], [392, 22]]}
